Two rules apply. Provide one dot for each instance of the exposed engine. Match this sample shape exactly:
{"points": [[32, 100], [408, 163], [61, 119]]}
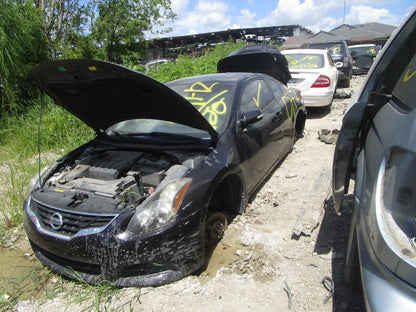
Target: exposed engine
{"points": [[129, 176]]}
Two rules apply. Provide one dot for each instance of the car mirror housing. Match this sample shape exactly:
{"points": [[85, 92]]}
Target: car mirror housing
{"points": [[250, 117]]}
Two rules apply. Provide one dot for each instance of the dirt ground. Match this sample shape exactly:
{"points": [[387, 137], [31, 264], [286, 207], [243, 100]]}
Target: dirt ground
{"points": [[283, 254]]}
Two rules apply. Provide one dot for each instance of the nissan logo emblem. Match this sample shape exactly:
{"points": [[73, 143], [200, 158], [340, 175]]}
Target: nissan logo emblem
{"points": [[56, 221]]}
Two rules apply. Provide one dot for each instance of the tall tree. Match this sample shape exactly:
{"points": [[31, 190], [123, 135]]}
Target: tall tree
{"points": [[120, 25], [62, 18], [22, 45]]}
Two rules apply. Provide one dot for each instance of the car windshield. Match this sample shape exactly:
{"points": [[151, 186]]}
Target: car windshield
{"points": [[331, 47], [305, 61], [213, 99]]}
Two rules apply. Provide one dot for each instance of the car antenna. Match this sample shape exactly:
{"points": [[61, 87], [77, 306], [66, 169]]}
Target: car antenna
{"points": [[38, 143]]}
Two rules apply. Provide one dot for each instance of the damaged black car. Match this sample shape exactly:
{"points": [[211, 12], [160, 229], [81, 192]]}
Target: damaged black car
{"points": [[138, 204]]}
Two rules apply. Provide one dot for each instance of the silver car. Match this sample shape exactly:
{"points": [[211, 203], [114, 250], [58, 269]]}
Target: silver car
{"points": [[376, 148]]}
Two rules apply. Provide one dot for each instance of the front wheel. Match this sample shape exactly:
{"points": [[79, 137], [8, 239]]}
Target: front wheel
{"points": [[215, 227]]}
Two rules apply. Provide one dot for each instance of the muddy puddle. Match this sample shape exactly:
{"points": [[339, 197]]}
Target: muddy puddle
{"points": [[21, 277]]}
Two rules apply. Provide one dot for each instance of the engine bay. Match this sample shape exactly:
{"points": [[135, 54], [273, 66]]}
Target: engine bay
{"points": [[127, 177]]}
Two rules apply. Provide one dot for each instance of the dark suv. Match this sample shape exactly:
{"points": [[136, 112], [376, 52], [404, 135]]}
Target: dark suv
{"points": [[341, 57]]}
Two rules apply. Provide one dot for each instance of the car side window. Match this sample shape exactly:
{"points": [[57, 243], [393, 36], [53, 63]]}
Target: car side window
{"points": [[256, 95], [275, 87]]}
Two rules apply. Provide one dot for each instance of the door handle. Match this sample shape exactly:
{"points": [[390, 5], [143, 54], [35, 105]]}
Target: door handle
{"points": [[278, 116]]}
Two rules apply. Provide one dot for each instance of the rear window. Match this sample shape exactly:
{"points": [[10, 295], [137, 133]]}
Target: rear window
{"points": [[305, 61], [332, 48], [367, 50]]}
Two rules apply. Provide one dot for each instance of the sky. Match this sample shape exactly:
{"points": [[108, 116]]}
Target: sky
{"points": [[201, 16]]}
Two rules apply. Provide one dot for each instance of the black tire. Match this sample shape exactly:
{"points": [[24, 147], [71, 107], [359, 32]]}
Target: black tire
{"points": [[352, 271]]}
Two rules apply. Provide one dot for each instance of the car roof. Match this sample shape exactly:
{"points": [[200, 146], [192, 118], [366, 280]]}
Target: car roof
{"points": [[305, 51], [229, 77]]}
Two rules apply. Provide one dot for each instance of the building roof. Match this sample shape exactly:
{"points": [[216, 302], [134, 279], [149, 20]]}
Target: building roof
{"points": [[352, 34], [375, 31]]}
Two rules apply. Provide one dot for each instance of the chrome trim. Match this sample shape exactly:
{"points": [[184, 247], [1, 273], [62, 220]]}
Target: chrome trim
{"points": [[84, 232]]}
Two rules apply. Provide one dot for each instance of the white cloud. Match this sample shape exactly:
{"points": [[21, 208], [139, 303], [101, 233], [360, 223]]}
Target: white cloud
{"points": [[309, 13], [246, 19], [179, 6], [207, 15], [360, 14]]}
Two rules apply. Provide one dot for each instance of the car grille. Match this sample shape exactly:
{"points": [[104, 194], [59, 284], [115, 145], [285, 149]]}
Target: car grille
{"points": [[71, 222]]}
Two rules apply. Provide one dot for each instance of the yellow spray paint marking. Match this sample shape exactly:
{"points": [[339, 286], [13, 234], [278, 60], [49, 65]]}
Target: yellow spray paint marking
{"points": [[407, 77], [290, 97], [209, 105], [335, 48], [257, 100], [194, 87], [307, 62]]}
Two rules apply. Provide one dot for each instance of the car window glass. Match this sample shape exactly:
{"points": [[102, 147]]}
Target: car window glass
{"points": [[256, 95], [305, 61], [405, 90], [275, 87], [332, 47], [212, 99]]}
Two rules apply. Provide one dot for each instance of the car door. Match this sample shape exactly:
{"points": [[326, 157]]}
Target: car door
{"points": [[380, 88], [261, 143]]}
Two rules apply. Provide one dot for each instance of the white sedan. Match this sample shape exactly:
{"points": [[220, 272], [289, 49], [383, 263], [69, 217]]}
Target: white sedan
{"points": [[314, 74]]}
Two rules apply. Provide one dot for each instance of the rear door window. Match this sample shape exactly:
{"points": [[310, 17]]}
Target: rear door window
{"points": [[256, 95]]}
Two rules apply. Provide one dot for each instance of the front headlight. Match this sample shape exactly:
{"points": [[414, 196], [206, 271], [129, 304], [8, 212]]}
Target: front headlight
{"points": [[396, 209], [159, 209]]}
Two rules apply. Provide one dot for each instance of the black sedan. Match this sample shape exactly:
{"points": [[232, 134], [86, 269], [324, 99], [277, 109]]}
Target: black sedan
{"points": [[138, 204]]}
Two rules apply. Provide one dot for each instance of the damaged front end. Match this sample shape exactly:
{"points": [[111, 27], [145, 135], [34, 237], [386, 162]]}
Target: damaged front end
{"points": [[115, 215]]}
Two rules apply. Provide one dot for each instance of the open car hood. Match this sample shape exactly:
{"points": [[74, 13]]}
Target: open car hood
{"points": [[102, 93], [260, 58]]}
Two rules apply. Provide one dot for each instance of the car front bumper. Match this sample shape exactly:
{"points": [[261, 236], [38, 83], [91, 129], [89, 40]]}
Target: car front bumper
{"points": [[383, 291], [119, 257]]}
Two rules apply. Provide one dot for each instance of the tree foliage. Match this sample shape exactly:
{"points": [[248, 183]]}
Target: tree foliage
{"points": [[22, 45], [120, 25], [34, 31]]}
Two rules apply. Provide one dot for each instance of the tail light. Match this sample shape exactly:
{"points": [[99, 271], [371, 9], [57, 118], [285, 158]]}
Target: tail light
{"points": [[322, 82]]}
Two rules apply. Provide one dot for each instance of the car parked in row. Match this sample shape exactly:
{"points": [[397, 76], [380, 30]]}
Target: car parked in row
{"points": [[314, 74], [377, 148], [341, 57], [363, 56], [138, 204]]}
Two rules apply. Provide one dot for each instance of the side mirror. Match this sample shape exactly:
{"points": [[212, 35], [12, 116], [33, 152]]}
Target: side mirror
{"points": [[250, 117]]}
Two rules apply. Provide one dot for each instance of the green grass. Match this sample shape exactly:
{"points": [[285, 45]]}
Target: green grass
{"points": [[60, 133]]}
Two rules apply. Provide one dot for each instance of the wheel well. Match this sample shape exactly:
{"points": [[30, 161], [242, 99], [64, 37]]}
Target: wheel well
{"points": [[227, 196], [300, 124]]}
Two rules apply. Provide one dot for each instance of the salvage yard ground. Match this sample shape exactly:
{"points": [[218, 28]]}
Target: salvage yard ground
{"points": [[286, 253]]}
